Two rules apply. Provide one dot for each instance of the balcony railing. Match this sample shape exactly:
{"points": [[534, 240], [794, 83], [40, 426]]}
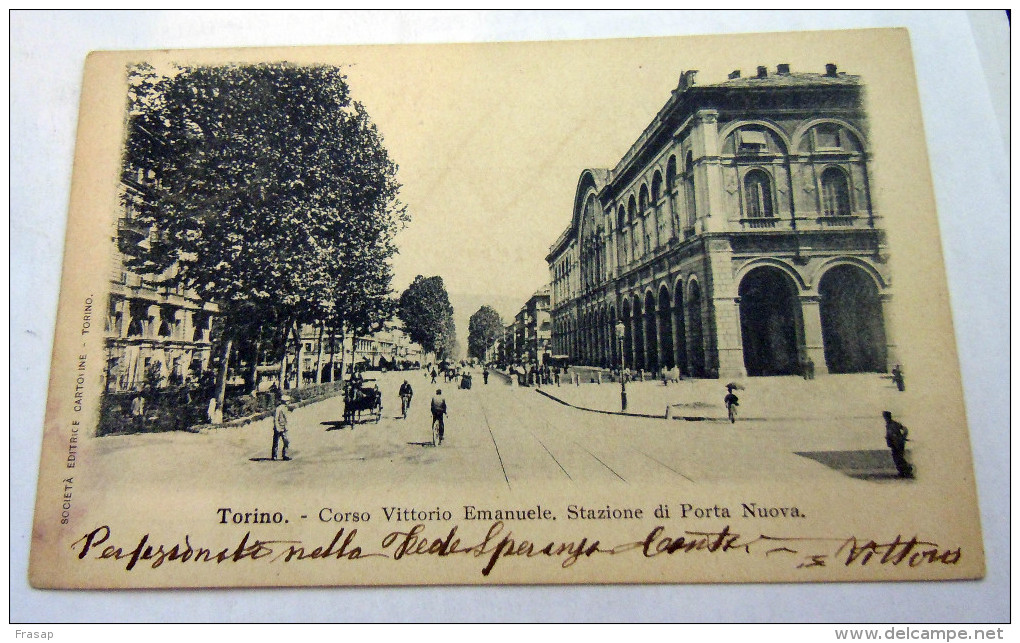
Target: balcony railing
{"points": [[830, 221], [759, 222], [802, 223]]}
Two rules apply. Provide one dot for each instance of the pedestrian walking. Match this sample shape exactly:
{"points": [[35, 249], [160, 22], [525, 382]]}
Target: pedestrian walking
{"points": [[897, 378], [281, 418], [485, 375], [732, 402], [406, 393], [438, 411], [138, 412], [434, 374], [896, 439]]}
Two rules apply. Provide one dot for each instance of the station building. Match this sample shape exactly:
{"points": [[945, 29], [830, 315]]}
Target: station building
{"points": [[737, 236]]}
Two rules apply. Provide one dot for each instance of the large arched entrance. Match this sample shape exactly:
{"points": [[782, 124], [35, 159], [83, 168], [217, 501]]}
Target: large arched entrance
{"points": [[852, 329], [666, 329], [769, 322], [697, 343], [651, 336]]}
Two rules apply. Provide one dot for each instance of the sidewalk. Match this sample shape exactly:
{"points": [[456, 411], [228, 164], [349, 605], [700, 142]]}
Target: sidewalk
{"points": [[763, 398]]}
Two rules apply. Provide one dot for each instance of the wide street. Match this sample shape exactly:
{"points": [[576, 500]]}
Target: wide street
{"points": [[512, 436]]}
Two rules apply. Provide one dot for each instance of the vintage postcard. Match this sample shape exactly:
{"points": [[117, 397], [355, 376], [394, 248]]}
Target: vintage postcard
{"points": [[661, 310]]}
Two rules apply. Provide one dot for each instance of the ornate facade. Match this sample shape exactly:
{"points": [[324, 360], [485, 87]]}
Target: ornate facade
{"points": [[153, 330], [738, 235]]}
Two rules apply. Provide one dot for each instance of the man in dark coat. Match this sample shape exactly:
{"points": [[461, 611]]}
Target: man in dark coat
{"points": [[438, 411], [896, 439], [897, 378], [406, 393], [281, 418]]}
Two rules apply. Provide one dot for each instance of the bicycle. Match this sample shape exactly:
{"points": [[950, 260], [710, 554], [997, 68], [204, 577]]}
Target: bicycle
{"points": [[436, 423]]}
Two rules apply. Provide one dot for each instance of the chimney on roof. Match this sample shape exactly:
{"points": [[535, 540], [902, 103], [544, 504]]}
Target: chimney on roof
{"points": [[734, 74], [830, 69], [783, 69], [763, 71], [687, 79]]}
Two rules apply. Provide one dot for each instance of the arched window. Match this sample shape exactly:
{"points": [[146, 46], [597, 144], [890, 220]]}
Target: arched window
{"points": [[648, 223], [757, 195], [835, 193], [632, 215], [623, 246], [691, 201]]}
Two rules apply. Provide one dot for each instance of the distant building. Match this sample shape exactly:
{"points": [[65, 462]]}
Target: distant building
{"points": [[528, 338], [737, 235], [388, 348], [537, 325]]}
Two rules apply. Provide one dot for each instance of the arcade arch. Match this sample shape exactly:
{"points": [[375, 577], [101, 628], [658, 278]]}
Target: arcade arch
{"points": [[853, 331], [770, 322]]}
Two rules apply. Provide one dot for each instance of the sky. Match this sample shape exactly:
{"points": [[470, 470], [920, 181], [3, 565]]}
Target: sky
{"points": [[491, 139]]}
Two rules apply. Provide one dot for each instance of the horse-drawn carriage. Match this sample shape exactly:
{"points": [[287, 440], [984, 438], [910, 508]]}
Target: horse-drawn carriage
{"points": [[360, 397]]}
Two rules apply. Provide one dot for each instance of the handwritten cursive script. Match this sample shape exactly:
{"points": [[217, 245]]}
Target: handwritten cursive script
{"points": [[500, 543]]}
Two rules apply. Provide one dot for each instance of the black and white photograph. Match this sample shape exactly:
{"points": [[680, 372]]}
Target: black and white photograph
{"points": [[635, 310], [735, 246]]}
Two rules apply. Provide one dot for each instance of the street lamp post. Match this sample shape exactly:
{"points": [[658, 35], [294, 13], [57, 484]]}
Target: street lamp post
{"points": [[538, 360], [620, 330]]}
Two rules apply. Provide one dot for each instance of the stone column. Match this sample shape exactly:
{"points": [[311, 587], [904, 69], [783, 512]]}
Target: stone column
{"points": [[125, 320], [152, 323], [679, 340], [188, 325], [600, 334], [814, 346], [729, 341], [655, 224], [659, 360], [892, 356], [587, 340], [635, 322], [712, 206], [651, 353], [179, 330]]}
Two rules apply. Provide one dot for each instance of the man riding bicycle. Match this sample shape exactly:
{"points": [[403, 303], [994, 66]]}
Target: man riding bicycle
{"points": [[438, 411], [405, 398]]}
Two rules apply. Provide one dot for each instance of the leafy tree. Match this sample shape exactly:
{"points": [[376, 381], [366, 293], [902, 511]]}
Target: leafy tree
{"points": [[484, 328], [270, 193], [449, 346], [425, 309], [153, 378]]}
